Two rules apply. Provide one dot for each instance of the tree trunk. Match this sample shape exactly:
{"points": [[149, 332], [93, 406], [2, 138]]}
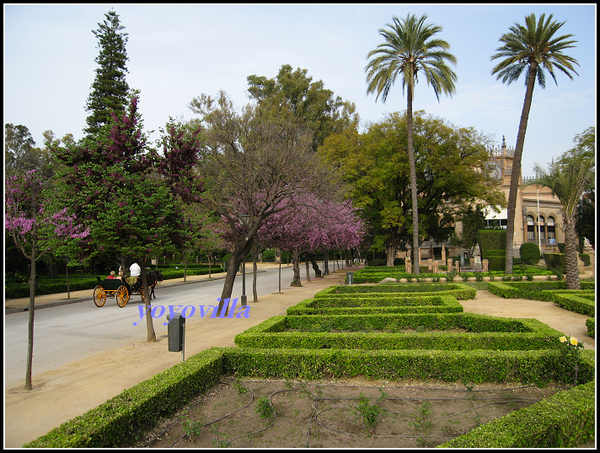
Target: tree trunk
{"points": [[515, 177], [255, 254], [233, 263], [325, 263], [413, 174], [571, 254], [150, 334], [315, 265], [32, 261], [296, 266], [390, 253]]}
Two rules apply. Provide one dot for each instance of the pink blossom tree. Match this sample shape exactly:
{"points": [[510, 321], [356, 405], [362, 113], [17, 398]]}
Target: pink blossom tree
{"points": [[309, 223], [35, 226]]}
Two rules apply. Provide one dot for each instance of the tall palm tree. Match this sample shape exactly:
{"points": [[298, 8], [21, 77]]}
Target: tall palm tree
{"points": [[533, 48], [409, 50], [568, 179]]}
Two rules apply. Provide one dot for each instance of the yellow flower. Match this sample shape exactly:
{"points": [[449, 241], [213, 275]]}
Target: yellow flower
{"points": [[574, 341], [563, 339]]}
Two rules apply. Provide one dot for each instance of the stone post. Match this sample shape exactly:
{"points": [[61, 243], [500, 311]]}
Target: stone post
{"points": [[486, 265], [408, 265], [449, 262], [429, 264], [435, 267]]}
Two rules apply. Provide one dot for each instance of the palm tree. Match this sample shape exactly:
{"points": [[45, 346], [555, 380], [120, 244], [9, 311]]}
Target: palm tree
{"points": [[410, 49], [568, 179], [534, 49]]}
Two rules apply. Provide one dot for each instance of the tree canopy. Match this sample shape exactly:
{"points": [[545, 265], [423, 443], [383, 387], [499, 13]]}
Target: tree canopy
{"points": [[109, 90], [322, 112], [448, 163]]}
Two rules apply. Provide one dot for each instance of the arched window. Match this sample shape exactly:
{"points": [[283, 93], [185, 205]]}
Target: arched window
{"points": [[542, 229], [530, 228], [551, 230]]}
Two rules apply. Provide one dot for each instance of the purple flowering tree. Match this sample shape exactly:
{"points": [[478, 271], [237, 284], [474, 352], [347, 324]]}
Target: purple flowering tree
{"points": [[36, 228], [309, 223]]}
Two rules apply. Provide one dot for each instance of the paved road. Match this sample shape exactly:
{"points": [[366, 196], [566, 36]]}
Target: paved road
{"points": [[65, 333]]}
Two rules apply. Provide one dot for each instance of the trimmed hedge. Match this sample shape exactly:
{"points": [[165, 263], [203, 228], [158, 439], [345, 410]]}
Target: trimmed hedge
{"points": [[121, 418], [483, 332], [591, 327], [393, 290], [491, 240], [15, 290], [531, 290], [356, 306], [575, 302], [564, 420], [477, 366]]}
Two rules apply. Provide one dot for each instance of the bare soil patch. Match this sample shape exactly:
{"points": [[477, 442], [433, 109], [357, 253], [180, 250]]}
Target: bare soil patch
{"points": [[345, 413]]}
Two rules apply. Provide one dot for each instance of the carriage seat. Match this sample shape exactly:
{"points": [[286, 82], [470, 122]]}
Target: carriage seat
{"points": [[112, 284]]}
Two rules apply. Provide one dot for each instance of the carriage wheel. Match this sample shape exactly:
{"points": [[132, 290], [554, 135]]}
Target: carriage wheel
{"points": [[99, 296], [122, 296]]}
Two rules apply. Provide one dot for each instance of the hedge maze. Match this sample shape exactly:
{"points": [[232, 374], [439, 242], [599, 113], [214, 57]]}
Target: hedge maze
{"points": [[419, 331], [387, 331]]}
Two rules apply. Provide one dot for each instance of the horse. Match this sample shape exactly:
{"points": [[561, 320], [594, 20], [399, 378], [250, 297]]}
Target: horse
{"points": [[152, 278]]}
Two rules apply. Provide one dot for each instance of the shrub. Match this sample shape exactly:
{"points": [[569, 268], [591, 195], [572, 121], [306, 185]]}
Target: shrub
{"points": [[554, 260], [497, 260], [530, 253], [491, 240]]}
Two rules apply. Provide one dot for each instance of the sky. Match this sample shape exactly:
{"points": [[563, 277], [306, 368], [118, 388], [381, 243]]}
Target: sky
{"points": [[179, 51]]}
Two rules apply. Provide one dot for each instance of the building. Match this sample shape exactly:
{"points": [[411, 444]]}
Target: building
{"points": [[538, 215]]}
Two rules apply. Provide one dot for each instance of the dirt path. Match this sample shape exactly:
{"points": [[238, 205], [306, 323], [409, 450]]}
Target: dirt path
{"points": [[77, 387]]}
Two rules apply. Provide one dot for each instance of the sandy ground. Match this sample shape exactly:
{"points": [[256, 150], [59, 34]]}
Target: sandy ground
{"points": [[73, 389]]}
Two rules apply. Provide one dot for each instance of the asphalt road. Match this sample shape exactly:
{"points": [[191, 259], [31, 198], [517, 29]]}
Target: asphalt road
{"points": [[66, 333]]}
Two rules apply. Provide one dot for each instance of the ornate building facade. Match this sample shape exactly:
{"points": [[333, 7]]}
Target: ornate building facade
{"points": [[538, 216]]}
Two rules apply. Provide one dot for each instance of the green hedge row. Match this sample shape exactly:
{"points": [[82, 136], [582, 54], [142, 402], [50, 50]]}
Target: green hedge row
{"points": [[557, 260], [122, 418], [564, 420], [395, 290], [531, 290], [539, 367], [590, 323], [18, 290], [15, 290], [470, 322], [483, 332], [576, 303], [356, 306]]}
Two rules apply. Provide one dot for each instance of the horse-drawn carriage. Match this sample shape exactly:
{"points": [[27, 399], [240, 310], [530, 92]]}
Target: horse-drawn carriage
{"points": [[122, 291]]}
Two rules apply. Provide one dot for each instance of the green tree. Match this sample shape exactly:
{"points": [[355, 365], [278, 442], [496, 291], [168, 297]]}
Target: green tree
{"points": [[109, 90], [114, 186], [410, 49], [533, 48], [586, 218], [322, 112], [376, 165], [21, 154], [569, 178]]}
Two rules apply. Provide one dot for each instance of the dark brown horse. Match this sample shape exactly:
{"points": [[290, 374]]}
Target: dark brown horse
{"points": [[152, 277]]}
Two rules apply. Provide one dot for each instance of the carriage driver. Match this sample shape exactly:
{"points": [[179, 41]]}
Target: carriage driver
{"points": [[134, 273]]}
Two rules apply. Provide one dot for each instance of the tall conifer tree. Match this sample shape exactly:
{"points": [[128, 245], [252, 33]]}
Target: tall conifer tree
{"points": [[109, 90]]}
